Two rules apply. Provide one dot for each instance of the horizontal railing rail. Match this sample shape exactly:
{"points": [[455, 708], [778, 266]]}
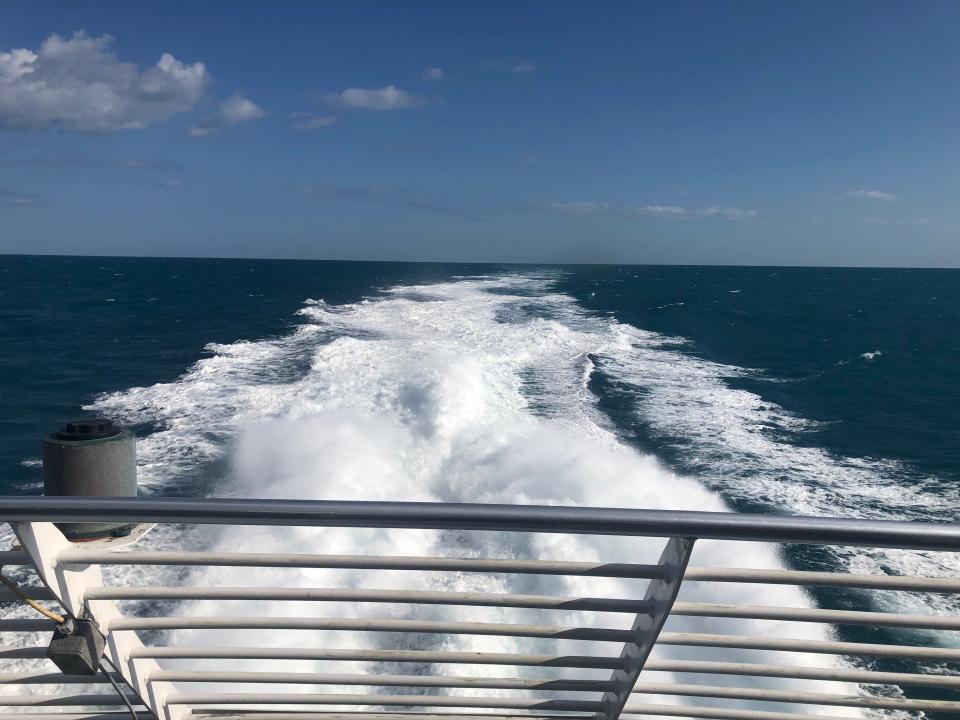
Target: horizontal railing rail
{"points": [[600, 666], [498, 518]]}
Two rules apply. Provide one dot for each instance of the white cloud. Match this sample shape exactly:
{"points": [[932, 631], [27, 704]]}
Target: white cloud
{"points": [[309, 121], [577, 207], [675, 212], [871, 195], [9, 198], [235, 110], [918, 221], [171, 184], [386, 98], [78, 84], [685, 213], [432, 74], [341, 191], [727, 213], [524, 68], [671, 211]]}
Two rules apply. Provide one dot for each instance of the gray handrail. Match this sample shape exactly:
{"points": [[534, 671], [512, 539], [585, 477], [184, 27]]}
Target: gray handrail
{"points": [[516, 518]]}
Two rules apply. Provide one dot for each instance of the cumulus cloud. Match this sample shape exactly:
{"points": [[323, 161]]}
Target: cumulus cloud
{"points": [[235, 110], [871, 195], [432, 74], [10, 198], [380, 99], [309, 121], [78, 84], [675, 212], [524, 68]]}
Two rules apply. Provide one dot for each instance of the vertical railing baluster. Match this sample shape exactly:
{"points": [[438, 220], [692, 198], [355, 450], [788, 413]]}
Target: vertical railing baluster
{"points": [[661, 593]]}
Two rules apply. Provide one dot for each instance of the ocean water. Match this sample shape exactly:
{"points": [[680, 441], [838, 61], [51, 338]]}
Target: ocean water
{"points": [[810, 391]]}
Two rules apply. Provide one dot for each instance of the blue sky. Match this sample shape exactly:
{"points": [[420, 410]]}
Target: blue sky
{"points": [[815, 133]]}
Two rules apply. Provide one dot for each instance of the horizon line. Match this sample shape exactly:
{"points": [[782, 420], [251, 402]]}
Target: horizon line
{"points": [[526, 263]]}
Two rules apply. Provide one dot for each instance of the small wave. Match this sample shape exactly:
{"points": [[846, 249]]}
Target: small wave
{"points": [[871, 355]]}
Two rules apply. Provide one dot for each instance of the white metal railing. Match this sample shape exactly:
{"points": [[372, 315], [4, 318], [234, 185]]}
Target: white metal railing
{"points": [[71, 576]]}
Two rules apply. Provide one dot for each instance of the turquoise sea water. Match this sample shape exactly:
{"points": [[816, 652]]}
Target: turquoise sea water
{"points": [[811, 391]]}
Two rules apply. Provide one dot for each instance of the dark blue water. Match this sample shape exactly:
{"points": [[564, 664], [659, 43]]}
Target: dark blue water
{"points": [[814, 391], [72, 328], [808, 329]]}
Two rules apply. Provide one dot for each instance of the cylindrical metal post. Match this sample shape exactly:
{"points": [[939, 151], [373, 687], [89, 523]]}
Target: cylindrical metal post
{"points": [[91, 458]]}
